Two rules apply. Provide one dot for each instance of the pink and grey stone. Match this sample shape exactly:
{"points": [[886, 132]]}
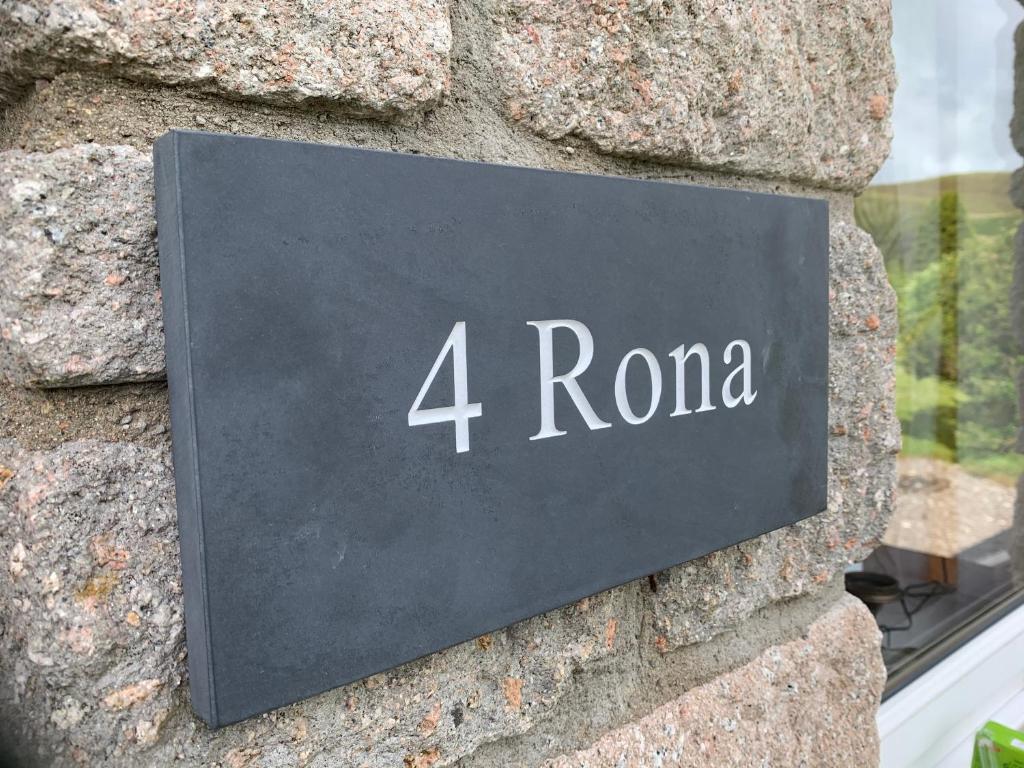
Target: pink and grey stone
{"points": [[811, 701], [78, 269], [796, 90], [79, 281], [92, 648], [361, 57]]}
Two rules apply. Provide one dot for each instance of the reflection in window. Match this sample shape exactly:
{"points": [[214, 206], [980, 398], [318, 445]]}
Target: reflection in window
{"points": [[941, 213]]}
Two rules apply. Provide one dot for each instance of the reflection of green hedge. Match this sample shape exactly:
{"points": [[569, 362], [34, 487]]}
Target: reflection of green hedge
{"points": [[928, 409], [919, 446], [956, 355], [924, 406]]}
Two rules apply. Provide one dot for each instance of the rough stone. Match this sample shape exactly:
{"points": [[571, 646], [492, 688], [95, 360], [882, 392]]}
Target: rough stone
{"points": [[1017, 119], [93, 107], [91, 640], [79, 282], [79, 269], [364, 57], [44, 418], [92, 626], [795, 90], [1017, 187], [807, 702]]}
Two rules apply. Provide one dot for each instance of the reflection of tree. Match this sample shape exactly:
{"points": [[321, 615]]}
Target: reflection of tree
{"points": [[940, 236], [943, 227], [958, 361], [987, 355], [951, 223]]}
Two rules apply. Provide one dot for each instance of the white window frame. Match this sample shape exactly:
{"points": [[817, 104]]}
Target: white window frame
{"points": [[932, 721]]}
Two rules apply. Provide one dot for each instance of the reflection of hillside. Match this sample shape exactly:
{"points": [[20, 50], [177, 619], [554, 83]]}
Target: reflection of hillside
{"points": [[894, 213], [982, 194]]}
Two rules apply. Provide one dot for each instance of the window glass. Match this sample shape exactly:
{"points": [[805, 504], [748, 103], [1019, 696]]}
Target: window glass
{"points": [[941, 212]]}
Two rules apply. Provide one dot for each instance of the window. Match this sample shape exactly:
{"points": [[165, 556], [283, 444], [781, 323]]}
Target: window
{"points": [[941, 212]]}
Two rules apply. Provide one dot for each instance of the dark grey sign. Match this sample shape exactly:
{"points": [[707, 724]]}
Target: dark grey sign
{"points": [[414, 400]]}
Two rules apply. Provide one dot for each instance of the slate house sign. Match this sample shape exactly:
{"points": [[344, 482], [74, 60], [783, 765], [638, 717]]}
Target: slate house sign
{"points": [[414, 400]]}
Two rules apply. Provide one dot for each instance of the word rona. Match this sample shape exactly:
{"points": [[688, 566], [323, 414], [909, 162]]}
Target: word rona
{"points": [[461, 411], [680, 354]]}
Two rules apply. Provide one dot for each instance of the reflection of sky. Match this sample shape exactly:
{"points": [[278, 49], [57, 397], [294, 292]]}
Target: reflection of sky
{"points": [[954, 60]]}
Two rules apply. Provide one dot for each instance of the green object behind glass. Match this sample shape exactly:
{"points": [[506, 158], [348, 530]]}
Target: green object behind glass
{"points": [[996, 746]]}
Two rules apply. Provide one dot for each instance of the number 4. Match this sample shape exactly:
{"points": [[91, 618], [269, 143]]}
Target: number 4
{"points": [[463, 410]]}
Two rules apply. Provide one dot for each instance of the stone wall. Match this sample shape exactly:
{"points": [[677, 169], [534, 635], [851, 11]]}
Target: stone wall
{"points": [[748, 655]]}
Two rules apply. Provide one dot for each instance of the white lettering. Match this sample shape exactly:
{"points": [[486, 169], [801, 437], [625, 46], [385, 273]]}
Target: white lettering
{"points": [[748, 393], [463, 410], [680, 354], [567, 380], [622, 398]]}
